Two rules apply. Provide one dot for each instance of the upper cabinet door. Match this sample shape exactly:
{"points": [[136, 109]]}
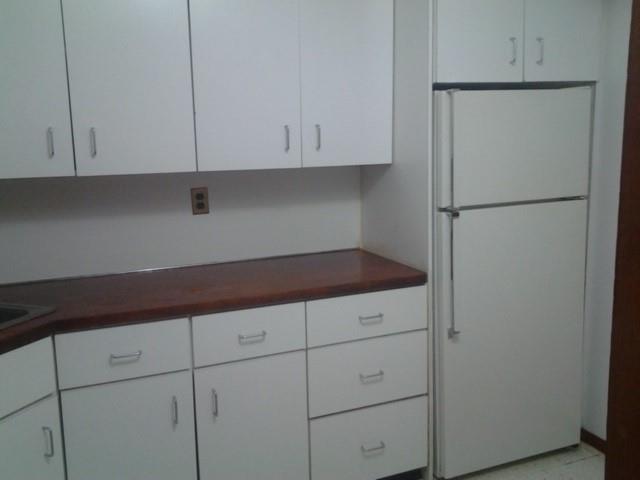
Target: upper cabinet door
{"points": [[563, 38], [247, 87], [479, 40], [347, 81], [35, 128], [130, 81]]}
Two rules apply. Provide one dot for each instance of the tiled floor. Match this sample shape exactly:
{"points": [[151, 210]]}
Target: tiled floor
{"points": [[579, 463]]}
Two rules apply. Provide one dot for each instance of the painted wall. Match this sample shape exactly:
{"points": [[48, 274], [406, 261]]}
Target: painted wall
{"points": [[79, 226], [603, 216]]}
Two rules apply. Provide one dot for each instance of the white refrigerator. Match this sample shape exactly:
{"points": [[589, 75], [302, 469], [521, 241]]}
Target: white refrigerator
{"points": [[512, 182]]}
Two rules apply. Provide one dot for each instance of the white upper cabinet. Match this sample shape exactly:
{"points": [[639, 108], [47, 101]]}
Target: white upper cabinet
{"points": [[347, 81], [247, 88], [35, 128], [130, 81], [479, 40], [563, 39]]}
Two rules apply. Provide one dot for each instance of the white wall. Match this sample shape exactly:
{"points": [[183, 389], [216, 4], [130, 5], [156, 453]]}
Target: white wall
{"points": [[79, 226], [603, 216]]}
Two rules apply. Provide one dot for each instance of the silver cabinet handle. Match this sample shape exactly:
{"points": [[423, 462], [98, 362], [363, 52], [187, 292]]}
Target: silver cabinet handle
{"points": [[254, 338], [50, 145], [214, 403], [174, 411], [125, 358], [92, 142], [373, 377], [287, 138], [49, 451], [540, 41], [514, 50], [372, 319], [373, 450], [318, 137]]}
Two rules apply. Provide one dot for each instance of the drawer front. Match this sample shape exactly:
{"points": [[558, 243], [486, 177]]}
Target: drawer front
{"points": [[110, 354], [225, 337], [27, 374], [368, 315], [354, 375], [371, 443]]}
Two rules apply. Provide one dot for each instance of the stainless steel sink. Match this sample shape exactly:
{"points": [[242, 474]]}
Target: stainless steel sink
{"points": [[10, 314]]}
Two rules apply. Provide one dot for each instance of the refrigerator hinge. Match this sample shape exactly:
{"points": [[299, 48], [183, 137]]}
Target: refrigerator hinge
{"points": [[451, 211]]}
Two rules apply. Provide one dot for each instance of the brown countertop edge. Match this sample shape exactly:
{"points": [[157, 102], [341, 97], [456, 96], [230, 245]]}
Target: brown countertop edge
{"points": [[129, 298]]}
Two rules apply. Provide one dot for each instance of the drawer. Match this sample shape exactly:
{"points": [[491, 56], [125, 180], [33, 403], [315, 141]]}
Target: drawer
{"points": [[111, 354], [27, 374], [225, 337], [371, 443], [354, 375], [342, 319]]}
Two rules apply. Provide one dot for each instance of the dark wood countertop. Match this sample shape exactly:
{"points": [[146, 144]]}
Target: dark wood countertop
{"points": [[109, 300]]}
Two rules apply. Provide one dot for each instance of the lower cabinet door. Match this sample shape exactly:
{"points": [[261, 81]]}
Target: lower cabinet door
{"points": [[30, 443], [252, 419], [370, 443], [140, 429]]}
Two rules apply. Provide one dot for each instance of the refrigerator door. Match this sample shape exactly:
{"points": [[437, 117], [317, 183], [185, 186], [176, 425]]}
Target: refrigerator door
{"points": [[508, 383], [513, 145]]}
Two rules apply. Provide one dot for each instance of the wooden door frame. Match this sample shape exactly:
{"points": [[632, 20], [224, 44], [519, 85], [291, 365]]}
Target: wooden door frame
{"points": [[623, 429]]}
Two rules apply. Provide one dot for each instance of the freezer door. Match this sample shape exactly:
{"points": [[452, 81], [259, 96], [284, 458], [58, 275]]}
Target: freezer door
{"points": [[513, 145], [508, 384]]}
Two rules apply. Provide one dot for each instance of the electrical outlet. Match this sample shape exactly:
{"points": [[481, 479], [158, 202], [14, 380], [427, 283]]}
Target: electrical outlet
{"points": [[200, 200]]}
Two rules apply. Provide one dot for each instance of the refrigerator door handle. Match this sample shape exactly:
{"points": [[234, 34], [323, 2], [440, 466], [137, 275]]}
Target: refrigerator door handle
{"points": [[453, 213]]}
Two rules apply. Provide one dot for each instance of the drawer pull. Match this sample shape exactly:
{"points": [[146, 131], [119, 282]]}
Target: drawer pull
{"points": [[48, 438], [214, 403], [371, 320], [174, 411], [369, 451], [126, 358], [371, 378], [255, 338]]}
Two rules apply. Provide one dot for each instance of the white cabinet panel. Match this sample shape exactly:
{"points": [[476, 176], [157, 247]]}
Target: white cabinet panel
{"points": [[110, 354], [479, 40], [252, 419], [549, 130], [33, 91], [36, 378], [352, 317], [135, 429], [370, 443], [353, 375], [30, 443], [510, 382], [347, 81], [130, 82], [563, 39], [247, 83]]}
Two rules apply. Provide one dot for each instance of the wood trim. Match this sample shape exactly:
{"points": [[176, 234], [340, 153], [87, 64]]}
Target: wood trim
{"points": [[593, 440], [110, 300]]}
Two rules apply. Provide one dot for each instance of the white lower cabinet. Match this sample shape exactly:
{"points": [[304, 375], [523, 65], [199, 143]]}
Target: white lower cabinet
{"points": [[30, 443], [138, 429], [252, 419], [370, 443]]}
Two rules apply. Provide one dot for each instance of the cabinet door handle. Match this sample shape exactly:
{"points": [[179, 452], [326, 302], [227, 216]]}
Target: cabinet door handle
{"points": [[253, 338], [50, 145], [49, 451], [540, 41], [93, 145], [514, 50], [318, 137], [127, 357], [371, 319], [214, 403], [287, 138], [373, 377], [174, 411], [373, 450]]}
